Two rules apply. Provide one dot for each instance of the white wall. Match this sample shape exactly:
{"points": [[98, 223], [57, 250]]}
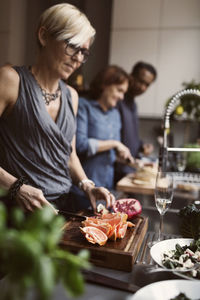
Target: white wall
{"points": [[165, 33]]}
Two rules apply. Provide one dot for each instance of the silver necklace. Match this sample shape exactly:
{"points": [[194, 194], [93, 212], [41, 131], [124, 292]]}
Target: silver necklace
{"points": [[48, 97]]}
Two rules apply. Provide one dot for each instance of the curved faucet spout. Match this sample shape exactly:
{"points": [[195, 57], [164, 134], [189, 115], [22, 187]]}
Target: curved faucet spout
{"points": [[172, 105], [163, 155]]}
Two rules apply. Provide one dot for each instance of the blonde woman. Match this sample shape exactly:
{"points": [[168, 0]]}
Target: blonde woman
{"points": [[37, 116]]}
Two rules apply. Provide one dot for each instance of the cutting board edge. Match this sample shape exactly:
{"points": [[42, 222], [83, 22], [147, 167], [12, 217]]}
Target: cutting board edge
{"points": [[113, 258]]}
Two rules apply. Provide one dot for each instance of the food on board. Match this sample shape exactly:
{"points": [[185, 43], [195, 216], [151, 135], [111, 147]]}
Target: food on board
{"points": [[102, 209], [145, 175], [131, 207], [110, 225], [94, 235], [187, 187]]}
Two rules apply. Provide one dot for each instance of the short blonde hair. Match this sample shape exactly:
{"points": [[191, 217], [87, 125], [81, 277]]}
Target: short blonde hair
{"points": [[65, 21]]}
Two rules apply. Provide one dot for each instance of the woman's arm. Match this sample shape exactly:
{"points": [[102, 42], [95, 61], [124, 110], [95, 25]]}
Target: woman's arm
{"points": [[90, 146], [76, 170], [9, 88], [27, 197], [78, 175]]}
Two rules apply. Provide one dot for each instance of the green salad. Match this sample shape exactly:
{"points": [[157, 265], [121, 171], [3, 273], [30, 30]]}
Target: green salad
{"points": [[181, 296], [184, 257]]}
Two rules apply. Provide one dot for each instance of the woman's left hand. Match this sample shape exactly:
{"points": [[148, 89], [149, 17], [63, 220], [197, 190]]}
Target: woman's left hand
{"points": [[100, 193]]}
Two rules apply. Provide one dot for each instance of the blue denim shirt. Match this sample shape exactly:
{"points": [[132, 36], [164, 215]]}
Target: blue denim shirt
{"points": [[94, 124]]}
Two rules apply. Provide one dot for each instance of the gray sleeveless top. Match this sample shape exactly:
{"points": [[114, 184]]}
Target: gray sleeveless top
{"points": [[32, 144]]}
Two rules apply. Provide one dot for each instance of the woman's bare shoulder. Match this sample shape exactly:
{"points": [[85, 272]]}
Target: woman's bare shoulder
{"points": [[73, 91], [74, 95], [8, 74], [9, 86]]}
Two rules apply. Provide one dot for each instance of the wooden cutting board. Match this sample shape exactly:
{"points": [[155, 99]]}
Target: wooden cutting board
{"points": [[120, 254], [126, 184]]}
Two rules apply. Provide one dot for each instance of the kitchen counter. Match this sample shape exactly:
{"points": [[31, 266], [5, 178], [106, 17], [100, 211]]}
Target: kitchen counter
{"points": [[137, 275], [187, 186]]}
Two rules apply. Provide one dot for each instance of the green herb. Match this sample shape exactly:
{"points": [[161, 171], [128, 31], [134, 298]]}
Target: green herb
{"points": [[193, 158], [190, 221], [31, 258], [181, 296]]}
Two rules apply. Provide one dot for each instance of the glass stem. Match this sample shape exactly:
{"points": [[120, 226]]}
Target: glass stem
{"points": [[160, 228]]}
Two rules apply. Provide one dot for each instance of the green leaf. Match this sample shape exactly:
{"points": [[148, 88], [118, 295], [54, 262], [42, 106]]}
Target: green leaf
{"points": [[73, 281], [17, 217], [75, 260], [46, 214], [190, 221], [30, 253], [84, 254], [3, 192], [3, 217], [45, 277]]}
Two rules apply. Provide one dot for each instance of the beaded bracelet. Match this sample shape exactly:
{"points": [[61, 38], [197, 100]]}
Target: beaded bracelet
{"points": [[16, 186]]}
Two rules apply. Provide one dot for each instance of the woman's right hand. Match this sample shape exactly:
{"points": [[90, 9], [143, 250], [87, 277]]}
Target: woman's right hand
{"points": [[123, 152], [30, 198]]}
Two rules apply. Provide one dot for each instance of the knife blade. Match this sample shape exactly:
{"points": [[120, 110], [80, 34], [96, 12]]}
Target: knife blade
{"points": [[139, 164], [71, 215], [108, 281]]}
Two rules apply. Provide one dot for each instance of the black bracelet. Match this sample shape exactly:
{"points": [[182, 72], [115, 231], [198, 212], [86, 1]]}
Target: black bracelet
{"points": [[16, 186]]}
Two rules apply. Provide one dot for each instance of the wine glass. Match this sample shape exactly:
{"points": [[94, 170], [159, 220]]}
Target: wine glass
{"points": [[181, 161], [163, 197]]}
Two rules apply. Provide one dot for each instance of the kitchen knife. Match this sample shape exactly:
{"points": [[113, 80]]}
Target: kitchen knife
{"points": [[139, 164], [108, 281]]}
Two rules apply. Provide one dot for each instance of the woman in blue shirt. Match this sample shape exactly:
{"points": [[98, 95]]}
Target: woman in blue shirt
{"points": [[98, 126]]}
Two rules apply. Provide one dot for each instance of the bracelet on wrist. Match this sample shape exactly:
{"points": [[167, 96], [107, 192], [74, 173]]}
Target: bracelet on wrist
{"points": [[81, 183], [16, 186]]}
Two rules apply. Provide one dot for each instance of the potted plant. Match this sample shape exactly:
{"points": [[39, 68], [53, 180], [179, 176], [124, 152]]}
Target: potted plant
{"points": [[188, 109], [31, 259], [189, 106]]}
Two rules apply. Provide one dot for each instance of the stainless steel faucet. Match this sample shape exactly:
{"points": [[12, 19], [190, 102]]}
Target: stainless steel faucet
{"points": [[170, 108]]}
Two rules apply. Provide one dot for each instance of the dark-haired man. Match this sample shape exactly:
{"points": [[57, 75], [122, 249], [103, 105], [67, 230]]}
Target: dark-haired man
{"points": [[141, 77]]}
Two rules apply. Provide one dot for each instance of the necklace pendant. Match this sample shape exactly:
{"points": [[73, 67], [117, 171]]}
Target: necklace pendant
{"points": [[49, 97]]}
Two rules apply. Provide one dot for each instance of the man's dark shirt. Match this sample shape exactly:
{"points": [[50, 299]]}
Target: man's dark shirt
{"points": [[129, 132]]}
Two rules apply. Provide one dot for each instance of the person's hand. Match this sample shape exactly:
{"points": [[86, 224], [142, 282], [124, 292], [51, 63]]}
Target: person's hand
{"points": [[123, 152], [148, 149], [30, 198], [100, 193]]}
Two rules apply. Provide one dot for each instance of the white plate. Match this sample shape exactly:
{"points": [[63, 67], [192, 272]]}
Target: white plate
{"points": [[167, 289], [159, 248]]}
